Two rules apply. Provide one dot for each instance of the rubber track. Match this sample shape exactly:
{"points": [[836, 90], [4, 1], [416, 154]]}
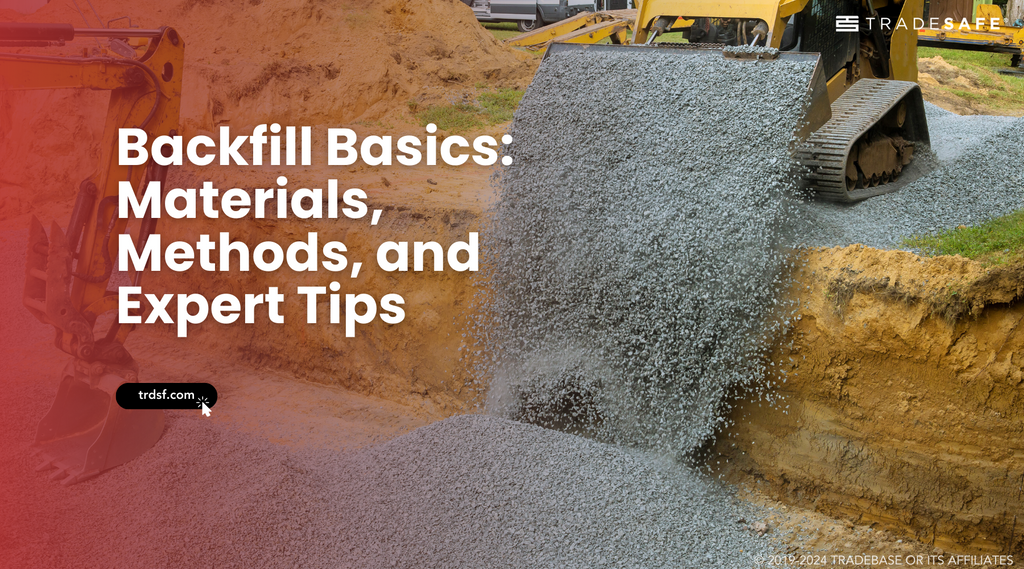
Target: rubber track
{"points": [[825, 151]]}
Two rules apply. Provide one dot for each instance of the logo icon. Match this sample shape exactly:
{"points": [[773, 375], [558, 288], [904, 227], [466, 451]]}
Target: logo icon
{"points": [[847, 24]]}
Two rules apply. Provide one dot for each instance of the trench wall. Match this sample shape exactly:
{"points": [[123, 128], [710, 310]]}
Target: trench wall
{"points": [[903, 405]]}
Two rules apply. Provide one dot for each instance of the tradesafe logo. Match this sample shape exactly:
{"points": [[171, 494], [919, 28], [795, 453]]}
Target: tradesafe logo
{"points": [[852, 24]]}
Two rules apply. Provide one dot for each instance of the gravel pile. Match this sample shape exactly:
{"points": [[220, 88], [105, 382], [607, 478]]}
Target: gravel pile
{"points": [[634, 256], [979, 175], [471, 491], [479, 491]]}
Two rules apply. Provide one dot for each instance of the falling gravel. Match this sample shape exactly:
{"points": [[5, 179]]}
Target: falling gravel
{"points": [[634, 260]]}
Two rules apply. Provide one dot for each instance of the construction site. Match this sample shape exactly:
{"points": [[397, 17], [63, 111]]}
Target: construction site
{"points": [[750, 291]]}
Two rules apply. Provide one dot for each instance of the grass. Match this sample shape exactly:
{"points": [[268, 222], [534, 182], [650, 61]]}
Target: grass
{"points": [[489, 108], [967, 59], [996, 242], [453, 118], [500, 104], [503, 30]]}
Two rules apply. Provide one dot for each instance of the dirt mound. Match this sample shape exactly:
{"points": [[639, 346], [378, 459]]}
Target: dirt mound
{"points": [[961, 91], [312, 62], [299, 62]]}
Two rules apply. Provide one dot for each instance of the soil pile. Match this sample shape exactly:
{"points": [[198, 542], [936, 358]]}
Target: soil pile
{"points": [[308, 62], [247, 62], [972, 91]]}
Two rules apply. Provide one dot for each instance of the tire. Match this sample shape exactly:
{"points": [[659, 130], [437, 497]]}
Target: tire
{"points": [[528, 26], [1015, 60]]}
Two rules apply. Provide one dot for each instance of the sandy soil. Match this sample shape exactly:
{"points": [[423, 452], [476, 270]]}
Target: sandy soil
{"points": [[901, 407], [293, 62]]}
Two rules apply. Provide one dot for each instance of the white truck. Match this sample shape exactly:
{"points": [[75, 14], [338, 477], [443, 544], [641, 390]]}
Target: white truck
{"points": [[529, 15]]}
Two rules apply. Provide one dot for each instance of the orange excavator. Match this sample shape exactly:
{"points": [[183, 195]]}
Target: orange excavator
{"points": [[68, 270]]}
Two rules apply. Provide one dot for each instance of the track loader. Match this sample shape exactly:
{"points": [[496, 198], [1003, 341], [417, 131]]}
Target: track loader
{"points": [[68, 270], [865, 115]]}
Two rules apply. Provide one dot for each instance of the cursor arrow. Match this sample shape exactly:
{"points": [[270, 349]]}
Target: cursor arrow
{"points": [[206, 410]]}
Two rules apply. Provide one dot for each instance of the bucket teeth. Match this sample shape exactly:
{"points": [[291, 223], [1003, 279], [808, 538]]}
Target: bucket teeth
{"points": [[72, 479], [45, 465], [86, 432]]}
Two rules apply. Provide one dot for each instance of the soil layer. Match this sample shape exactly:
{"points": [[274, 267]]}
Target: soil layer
{"points": [[902, 404]]}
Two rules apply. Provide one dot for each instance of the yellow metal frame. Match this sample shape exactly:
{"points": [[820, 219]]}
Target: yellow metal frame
{"points": [[144, 93], [585, 27], [773, 12], [903, 48], [979, 37]]}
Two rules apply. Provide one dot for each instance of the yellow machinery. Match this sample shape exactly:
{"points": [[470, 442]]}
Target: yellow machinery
{"points": [[85, 431], [586, 27], [987, 31], [866, 113]]}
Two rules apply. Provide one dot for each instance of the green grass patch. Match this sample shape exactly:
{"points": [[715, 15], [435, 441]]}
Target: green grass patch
{"points": [[490, 108], [499, 105], [966, 59], [503, 30], [996, 242], [453, 118]]}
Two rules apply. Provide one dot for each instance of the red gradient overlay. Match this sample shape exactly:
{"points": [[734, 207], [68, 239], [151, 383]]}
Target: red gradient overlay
{"points": [[213, 492], [152, 511]]}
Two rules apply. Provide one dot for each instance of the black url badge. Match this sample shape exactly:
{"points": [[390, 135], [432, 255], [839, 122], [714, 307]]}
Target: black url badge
{"points": [[166, 395]]}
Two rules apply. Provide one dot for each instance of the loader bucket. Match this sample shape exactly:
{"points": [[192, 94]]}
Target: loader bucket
{"points": [[86, 432], [816, 113]]}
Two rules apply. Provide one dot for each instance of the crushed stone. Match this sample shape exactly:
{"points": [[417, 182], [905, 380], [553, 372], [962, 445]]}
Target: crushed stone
{"points": [[978, 177], [481, 491], [470, 491], [634, 260]]}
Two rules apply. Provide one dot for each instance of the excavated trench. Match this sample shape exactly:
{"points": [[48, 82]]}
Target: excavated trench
{"points": [[901, 406]]}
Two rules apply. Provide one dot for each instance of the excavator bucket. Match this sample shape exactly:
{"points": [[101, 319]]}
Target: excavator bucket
{"points": [[86, 431]]}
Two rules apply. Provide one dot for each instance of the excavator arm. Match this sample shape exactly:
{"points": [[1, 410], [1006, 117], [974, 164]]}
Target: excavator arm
{"points": [[69, 270], [144, 93]]}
